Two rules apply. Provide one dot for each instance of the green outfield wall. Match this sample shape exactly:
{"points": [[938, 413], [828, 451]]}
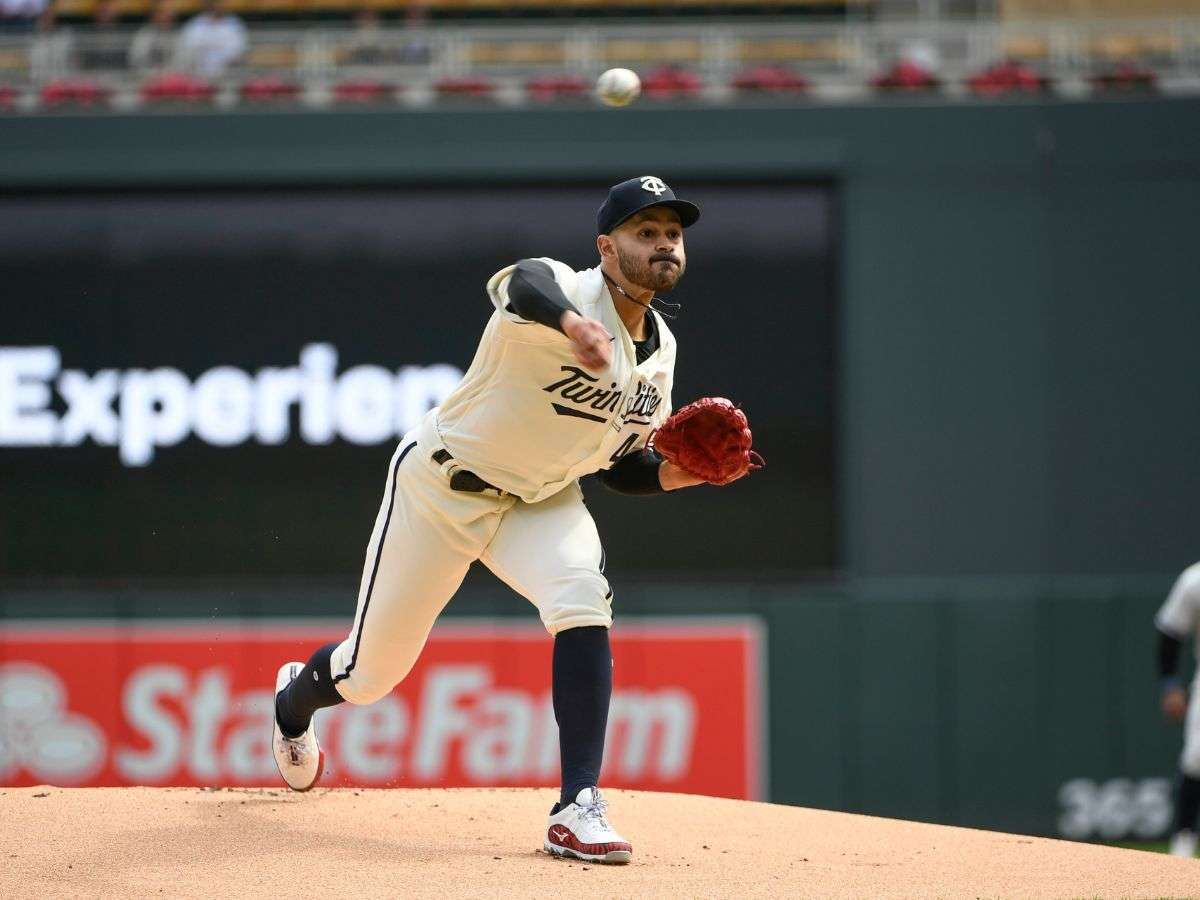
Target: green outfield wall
{"points": [[1015, 365], [1026, 705], [1016, 429]]}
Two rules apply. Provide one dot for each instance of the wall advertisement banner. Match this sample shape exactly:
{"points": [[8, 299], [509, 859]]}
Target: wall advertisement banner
{"points": [[182, 703]]}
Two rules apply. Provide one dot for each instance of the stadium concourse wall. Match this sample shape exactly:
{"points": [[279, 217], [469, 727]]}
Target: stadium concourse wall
{"points": [[1015, 419]]}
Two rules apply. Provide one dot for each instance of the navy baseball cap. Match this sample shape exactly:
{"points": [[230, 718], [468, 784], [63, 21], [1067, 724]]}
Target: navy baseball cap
{"points": [[640, 193]]}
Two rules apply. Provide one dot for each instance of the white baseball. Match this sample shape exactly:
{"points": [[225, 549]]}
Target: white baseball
{"points": [[618, 87]]}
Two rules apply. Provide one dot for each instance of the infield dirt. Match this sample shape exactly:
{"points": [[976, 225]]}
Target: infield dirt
{"points": [[137, 842]]}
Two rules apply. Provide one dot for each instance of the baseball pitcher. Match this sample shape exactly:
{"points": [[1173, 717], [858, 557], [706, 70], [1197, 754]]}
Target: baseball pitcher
{"points": [[572, 376]]}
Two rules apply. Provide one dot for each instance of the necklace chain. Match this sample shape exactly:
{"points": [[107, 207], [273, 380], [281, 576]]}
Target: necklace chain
{"points": [[648, 305]]}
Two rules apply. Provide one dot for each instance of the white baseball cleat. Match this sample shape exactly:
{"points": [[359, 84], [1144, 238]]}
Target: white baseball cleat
{"points": [[300, 760], [581, 831], [1183, 843]]}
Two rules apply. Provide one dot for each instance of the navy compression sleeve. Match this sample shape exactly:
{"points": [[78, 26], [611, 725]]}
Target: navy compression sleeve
{"points": [[636, 473], [1169, 648], [533, 294]]}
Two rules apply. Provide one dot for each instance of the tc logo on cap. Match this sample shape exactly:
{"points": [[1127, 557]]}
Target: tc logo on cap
{"points": [[653, 185], [629, 197]]}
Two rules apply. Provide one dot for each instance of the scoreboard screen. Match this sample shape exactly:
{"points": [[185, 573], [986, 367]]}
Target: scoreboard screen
{"points": [[211, 383]]}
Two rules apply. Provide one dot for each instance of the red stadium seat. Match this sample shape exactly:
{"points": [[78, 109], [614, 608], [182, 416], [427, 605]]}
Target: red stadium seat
{"points": [[906, 76], [465, 87], [8, 97], [671, 82], [1126, 77], [268, 89], [1006, 77], [77, 91], [177, 87], [363, 91], [771, 79], [546, 88]]}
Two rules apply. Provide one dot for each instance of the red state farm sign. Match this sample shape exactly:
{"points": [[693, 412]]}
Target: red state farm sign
{"points": [[184, 704]]}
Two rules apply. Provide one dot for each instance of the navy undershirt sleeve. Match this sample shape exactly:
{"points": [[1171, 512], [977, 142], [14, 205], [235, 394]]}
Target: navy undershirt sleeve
{"points": [[636, 473], [1169, 648], [533, 294]]}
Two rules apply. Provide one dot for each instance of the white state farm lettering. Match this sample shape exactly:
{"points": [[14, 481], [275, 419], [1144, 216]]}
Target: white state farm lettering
{"points": [[370, 739], [190, 725], [140, 410], [39, 736], [640, 716], [218, 737]]}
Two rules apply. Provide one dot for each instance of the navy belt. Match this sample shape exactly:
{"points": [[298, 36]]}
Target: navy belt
{"points": [[462, 480]]}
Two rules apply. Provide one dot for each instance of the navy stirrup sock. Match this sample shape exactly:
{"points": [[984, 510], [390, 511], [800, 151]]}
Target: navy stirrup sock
{"points": [[582, 687], [1187, 804], [296, 703]]}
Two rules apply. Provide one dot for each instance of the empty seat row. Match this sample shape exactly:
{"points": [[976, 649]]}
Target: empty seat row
{"points": [[665, 83]]}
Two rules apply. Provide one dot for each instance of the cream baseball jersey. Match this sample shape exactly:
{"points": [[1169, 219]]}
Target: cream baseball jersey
{"points": [[529, 419], [1180, 618], [1180, 612]]}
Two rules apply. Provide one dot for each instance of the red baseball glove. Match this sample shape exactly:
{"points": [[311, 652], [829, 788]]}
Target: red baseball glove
{"points": [[711, 439]]}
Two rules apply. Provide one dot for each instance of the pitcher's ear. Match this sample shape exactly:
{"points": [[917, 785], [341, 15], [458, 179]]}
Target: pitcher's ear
{"points": [[604, 243]]}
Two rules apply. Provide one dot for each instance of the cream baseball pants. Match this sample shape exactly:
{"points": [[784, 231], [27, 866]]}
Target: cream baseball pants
{"points": [[1189, 759], [425, 538]]}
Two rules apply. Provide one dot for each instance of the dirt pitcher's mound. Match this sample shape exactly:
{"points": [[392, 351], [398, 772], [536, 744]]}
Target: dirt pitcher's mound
{"points": [[124, 842]]}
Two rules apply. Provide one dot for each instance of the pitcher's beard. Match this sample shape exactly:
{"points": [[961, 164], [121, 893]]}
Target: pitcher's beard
{"points": [[645, 274]]}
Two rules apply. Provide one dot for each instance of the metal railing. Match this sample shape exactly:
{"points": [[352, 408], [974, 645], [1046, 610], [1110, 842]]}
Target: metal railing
{"points": [[838, 58]]}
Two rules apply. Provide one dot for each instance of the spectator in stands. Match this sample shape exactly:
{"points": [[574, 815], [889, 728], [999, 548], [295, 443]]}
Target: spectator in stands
{"points": [[212, 40], [153, 46], [50, 49], [366, 46], [416, 50], [21, 15], [103, 47], [372, 46]]}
